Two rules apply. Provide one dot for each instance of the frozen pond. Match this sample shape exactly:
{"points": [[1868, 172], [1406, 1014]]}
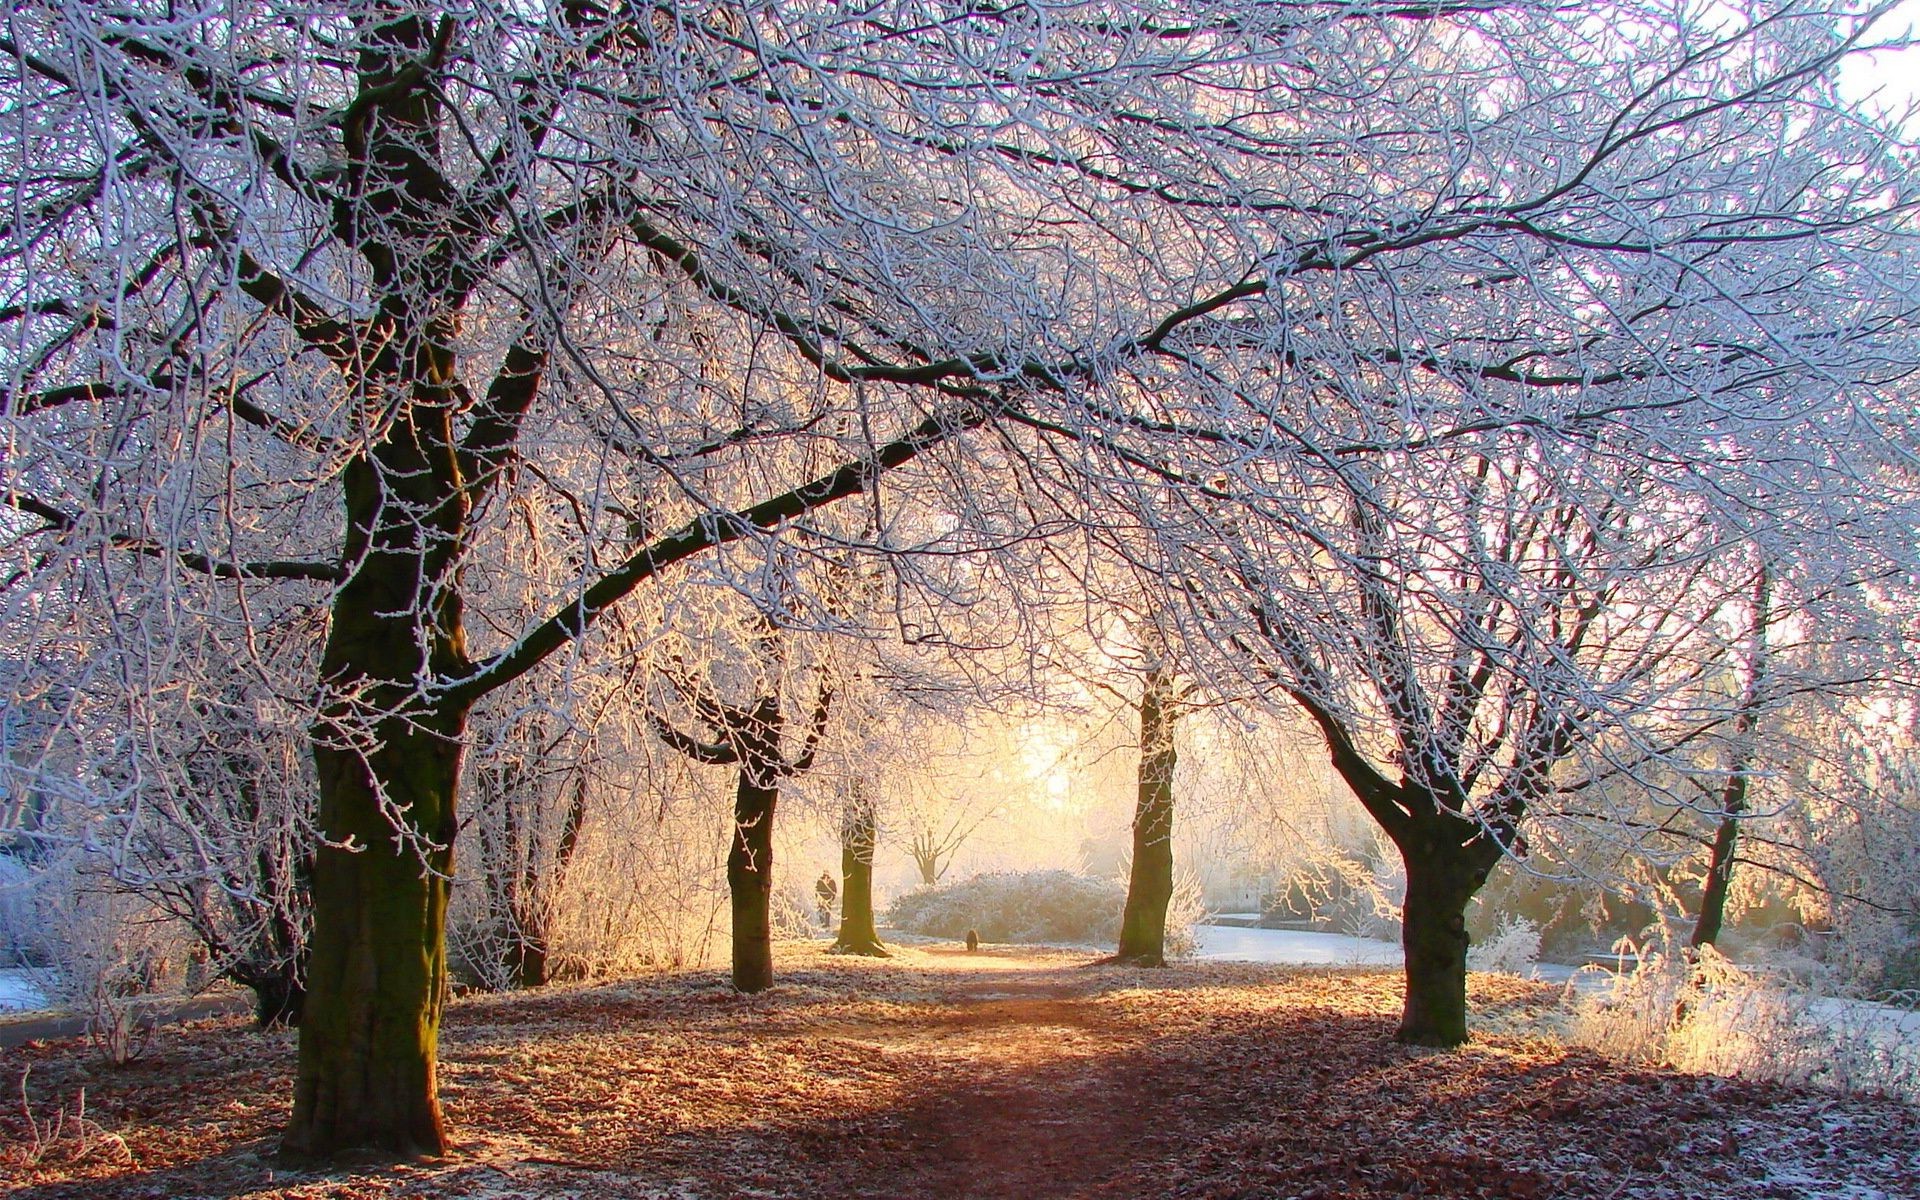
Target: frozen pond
{"points": [[1293, 947], [1297, 947], [17, 993]]}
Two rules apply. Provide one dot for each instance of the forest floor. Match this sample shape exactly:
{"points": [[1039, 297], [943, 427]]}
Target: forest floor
{"points": [[1004, 1075]]}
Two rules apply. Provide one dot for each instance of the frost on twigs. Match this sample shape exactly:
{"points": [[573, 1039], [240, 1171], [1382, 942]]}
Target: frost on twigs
{"points": [[1702, 1013], [106, 954], [61, 1138], [1513, 949], [1012, 906]]}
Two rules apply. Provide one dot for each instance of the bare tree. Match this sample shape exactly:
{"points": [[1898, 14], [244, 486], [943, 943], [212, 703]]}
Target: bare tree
{"points": [[300, 299], [529, 808], [748, 736]]}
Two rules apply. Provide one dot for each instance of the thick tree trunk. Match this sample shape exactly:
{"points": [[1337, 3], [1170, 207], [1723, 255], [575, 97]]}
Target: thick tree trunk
{"points": [[858, 833], [750, 880], [1441, 881], [376, 975], [1143, 924], [388, 766]]}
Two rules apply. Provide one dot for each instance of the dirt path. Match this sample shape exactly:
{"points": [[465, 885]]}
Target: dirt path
{"points": [[18, 1030], [1035, 1104], [999, 1076]]}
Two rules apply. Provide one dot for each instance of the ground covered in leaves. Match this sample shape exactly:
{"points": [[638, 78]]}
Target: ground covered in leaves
{"points": [[1013, 1074]]}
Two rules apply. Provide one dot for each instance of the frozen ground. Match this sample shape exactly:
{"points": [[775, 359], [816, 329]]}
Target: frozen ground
{"points": [[17, 993]]}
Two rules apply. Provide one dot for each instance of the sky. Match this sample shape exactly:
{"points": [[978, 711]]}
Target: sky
{"points": [[1888, 79]]}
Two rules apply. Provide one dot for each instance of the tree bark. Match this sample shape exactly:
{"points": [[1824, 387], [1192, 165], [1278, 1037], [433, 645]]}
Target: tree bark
{"points": [[858, 833], [1442, 878], [377, 971], [388, 765], [750, 882], [1713, 900], [1143, 923]]}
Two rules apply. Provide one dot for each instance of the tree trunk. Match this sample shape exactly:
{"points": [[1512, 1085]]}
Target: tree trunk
{"points": [[929, 865], [1143, 924], [388, 766], [279, 996], [858, 934], [1713, 901], [528, 956], [750, 879], [1733, 798], [527, 962], [1441, 881], [377, 968]]}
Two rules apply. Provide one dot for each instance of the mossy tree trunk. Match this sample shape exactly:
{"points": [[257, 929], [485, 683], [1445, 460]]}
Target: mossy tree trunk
{"points": [[389, 771], [376, 975], [387, 758], [1446, 864], [1143, 924], [859, 829]]}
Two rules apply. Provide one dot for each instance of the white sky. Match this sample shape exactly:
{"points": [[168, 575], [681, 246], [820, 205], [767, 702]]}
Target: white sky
{"points": [[1888, 80]]}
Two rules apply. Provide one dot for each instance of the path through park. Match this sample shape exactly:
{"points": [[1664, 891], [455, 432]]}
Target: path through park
{"points": [[995, 1076]]}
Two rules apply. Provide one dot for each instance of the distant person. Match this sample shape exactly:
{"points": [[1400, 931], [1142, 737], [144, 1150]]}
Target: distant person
{"points": [[825, 892], [973, 941]]}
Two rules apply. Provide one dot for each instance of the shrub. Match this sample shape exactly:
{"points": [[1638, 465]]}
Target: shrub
{"points": [[1513, 949], [1709, 1016], [107, 950], [1030, 906]]}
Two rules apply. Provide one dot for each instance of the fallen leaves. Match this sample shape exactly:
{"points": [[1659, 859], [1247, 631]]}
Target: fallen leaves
{"points": [[989, 1077]]}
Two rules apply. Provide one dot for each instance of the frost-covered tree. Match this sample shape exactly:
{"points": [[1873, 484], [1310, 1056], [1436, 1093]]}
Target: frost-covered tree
{"points": [[749, 732], [300, 298]]}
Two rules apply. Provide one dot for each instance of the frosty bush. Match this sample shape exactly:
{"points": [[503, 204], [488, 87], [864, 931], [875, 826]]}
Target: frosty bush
{"points": [[793, 913], [106, 948], [22, 939], [1513, 949], [1369, 906], [1710, 1016], [1029, 906]]}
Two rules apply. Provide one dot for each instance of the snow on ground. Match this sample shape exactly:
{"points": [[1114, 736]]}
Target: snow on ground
{"points": [[17, 993]]}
